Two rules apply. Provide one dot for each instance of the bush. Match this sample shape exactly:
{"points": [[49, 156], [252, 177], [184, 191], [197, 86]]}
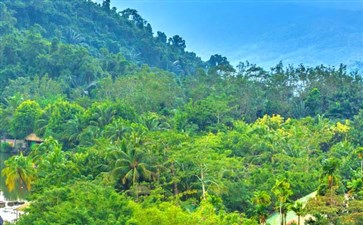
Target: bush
{"points": [[5, 147]]}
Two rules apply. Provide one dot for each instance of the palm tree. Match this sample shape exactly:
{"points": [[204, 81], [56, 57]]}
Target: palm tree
{"points": [[7, 110], [39, 151], [153, 121], [330, 167], [116, 130], [74, 129], [19, 169], [282, 190], [131, 167], [298, 209], [55, 156], [262, 200], [355, 186], [89, 135], [359, 152], [136, 137], [103, 115], [48, 156]]}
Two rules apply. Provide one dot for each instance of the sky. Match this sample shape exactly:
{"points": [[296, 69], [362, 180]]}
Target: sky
{"points": [[240, 29]]}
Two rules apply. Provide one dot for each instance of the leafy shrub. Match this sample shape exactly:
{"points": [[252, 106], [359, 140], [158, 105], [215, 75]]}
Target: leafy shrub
{"points": [[5, 147]]}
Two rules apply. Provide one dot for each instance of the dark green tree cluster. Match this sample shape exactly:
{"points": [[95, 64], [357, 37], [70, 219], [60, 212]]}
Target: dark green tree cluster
{"points": [[95, 26]]}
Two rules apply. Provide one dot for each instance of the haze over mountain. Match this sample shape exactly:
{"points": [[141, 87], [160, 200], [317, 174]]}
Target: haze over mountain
{"points": [[262, 32]]}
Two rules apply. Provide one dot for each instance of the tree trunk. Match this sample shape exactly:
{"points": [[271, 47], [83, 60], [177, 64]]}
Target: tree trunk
{"points": [[285, 218], [135, 185], [22, 181], [175, 184], [262, 220], [203, 186], [298, 220], [331, 190], [307, 161], [331, 196]]}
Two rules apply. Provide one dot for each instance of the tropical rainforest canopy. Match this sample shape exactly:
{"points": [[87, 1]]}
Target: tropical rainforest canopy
{"points": [[139, 131]]}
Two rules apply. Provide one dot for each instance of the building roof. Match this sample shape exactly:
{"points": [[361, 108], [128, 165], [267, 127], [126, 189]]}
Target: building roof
{"points": [[33, 137]]}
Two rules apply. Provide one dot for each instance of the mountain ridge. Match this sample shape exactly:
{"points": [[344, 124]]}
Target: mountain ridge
{"points": [[99, 26]]}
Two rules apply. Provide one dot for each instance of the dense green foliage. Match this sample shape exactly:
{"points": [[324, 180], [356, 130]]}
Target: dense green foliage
{"points": [[90, 25], [130, 143]]}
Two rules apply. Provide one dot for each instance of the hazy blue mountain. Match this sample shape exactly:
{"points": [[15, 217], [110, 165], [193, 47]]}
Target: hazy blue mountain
{"points": [[262, 32]]}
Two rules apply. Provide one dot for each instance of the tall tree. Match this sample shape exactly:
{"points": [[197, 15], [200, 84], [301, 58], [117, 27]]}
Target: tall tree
{"points": [[329, 175], [130, 166], [25, 117], [202, 159], [177, 42], [262, 200], [19, 169], [298, 209], [219, 62], [106, 4], [161, 37], [359, 152], [282, 191]]}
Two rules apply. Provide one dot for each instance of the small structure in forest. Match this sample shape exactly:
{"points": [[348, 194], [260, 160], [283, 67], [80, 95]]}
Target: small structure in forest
{"points": [[17, 145], [32, 139]]}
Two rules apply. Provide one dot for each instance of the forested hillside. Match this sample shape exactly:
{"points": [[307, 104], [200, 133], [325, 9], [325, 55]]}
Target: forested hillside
{"points": [[138, 131], [96, 27]]}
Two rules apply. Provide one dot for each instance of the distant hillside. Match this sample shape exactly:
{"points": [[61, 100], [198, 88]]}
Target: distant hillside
{"points": [[97, 26], [313, 37]]}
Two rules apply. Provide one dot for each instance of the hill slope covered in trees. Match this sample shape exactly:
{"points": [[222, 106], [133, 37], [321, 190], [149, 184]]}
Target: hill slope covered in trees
{"points": [[167, 138], [87, 24]]}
